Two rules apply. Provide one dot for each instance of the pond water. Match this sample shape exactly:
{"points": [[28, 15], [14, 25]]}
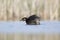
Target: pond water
{"points": [[21, 27]]}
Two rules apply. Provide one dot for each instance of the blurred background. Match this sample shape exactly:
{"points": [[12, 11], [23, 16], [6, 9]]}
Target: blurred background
{"points": [[14, 10]]}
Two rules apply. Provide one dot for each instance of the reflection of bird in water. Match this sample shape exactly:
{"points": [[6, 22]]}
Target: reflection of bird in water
{"points": [[32, 20]]}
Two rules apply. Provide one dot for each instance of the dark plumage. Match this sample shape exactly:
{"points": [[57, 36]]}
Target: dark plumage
{"points": [[32, 20]]}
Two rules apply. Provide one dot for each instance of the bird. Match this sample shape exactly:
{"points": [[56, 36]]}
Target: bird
{"points": [[32, 20]]}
